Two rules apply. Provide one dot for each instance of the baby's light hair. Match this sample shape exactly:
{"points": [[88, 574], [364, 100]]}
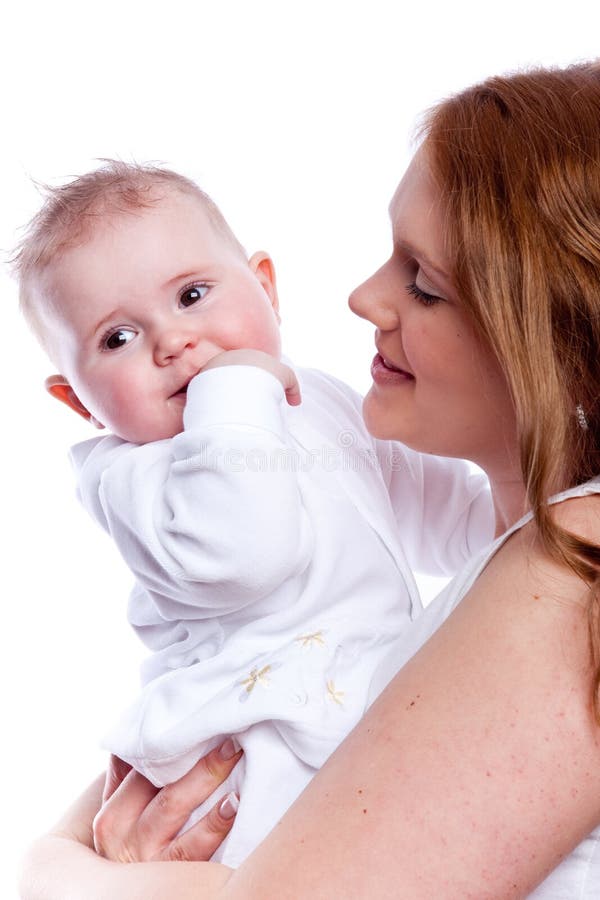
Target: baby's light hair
{"points": [[71, 211]]}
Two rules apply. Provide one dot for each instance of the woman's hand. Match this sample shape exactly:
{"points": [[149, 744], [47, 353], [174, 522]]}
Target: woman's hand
{"points": [[139, 822]]}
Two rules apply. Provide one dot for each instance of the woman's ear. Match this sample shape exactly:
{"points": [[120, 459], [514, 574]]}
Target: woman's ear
{"points": [[59, 388], [262, 266]]}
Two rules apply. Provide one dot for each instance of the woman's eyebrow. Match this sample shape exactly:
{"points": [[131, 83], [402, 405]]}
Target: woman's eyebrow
{"points": [[411, 250]]}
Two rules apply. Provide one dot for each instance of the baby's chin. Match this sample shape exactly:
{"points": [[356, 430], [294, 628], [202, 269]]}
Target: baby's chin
{"points": [[150, 435]]}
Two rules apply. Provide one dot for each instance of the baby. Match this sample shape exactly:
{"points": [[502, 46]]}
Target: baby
{"points": [[271, 540]]}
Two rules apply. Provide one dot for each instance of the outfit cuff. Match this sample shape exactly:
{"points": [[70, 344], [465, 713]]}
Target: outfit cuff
{"points": [[235, 395]]}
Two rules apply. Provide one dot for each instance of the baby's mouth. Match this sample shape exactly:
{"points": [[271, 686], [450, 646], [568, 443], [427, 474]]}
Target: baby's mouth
{"points": [[181, 393]]}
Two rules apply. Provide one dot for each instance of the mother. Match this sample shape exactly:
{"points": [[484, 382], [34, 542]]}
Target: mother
{"points": [[477, 771]]}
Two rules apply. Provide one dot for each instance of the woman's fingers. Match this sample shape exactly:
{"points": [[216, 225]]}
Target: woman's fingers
{"points": [[140, 822], [117, 822], [115, 774], [201, 840], [171, 807]]}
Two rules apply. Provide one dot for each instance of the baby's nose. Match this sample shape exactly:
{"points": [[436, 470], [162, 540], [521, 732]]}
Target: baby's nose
{"points": [[172, 344]]}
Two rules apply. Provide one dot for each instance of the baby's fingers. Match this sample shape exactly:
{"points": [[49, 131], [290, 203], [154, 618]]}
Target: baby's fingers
{"points": [[292, 390]]}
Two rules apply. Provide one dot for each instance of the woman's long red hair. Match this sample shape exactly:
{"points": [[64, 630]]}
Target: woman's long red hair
{"points": [[517, 159]]}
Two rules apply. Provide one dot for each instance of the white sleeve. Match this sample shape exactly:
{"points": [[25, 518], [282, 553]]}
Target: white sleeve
{"points": [[213, 517], [443, 507]]}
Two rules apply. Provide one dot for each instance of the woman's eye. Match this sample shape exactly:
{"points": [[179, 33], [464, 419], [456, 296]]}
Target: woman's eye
{"points": [[192, 294], [421, 295], [115, 339]]}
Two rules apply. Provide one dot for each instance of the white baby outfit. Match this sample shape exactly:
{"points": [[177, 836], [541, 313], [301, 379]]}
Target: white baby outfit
{"points": [[272, 548], [578, 875]]}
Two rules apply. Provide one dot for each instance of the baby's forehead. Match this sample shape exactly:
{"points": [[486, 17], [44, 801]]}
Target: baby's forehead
{"points": [[168, 208], [110, 212], [112, 226], [173, 229]]}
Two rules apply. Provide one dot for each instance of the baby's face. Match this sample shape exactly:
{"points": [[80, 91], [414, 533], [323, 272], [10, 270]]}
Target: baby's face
{"points": [[136, 311]]}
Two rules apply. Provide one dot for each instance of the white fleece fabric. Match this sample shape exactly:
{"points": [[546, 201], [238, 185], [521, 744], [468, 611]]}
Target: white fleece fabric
{"points": [[272, 549]]}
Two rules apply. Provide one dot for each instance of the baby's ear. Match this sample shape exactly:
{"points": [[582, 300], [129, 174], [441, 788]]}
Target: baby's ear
{"points": [[58, 387], [262, 266]]}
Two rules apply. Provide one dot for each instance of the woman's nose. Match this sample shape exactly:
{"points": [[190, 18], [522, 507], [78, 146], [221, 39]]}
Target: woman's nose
{"points": [[356, 301], [172, 343], [373, 300]]}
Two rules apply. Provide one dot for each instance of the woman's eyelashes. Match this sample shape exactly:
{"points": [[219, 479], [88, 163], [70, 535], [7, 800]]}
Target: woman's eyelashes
{"points": [[412, 267], [422, 296], [192, 293]]}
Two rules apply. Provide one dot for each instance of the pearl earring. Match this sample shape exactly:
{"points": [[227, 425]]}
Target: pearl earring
{"points": [[581, 419]]}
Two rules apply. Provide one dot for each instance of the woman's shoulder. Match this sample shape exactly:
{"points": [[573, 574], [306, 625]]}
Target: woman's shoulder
{"points": [[576, 510], [521, 553], [579, 511]]}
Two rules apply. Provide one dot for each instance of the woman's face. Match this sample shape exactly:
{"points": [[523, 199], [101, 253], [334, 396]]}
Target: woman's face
{"points": [[436, 386]]}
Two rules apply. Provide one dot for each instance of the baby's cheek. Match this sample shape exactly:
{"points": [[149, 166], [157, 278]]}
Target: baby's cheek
{"points": [[124, 405], [259, 334]]}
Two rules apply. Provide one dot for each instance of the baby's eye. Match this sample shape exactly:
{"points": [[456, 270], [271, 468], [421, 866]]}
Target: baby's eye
{"points": [[192, 294], [118, 338]]}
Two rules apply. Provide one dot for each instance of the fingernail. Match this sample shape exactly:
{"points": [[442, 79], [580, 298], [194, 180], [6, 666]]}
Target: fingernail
{"points": [[230, 806], [227, 750]]}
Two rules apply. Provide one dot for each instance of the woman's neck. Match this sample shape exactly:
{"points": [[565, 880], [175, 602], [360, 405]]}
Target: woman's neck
{"points": [[510, 501], [503, 469]]}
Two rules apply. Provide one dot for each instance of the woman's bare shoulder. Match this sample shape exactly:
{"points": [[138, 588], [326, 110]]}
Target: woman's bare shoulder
{"points": [[580, 515]]}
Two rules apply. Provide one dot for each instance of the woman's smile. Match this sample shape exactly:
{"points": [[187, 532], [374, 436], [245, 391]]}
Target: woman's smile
{"points": [[384, 372]]}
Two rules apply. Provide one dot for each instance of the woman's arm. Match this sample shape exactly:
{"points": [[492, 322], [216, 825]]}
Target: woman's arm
{"points": [[473, 775], [61, 869]]}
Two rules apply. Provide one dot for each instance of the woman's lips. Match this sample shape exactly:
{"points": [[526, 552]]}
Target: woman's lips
{"points": [[384, 372]]}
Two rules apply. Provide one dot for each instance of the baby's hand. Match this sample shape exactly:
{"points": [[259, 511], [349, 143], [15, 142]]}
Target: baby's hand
{"points": [[261, 360]]}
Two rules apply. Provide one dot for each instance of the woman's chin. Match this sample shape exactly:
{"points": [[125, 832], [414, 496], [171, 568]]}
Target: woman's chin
{"points": [[381, 424]]}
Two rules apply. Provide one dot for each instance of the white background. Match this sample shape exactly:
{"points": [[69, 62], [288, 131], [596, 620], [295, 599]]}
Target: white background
{"points": [[297, 119]]}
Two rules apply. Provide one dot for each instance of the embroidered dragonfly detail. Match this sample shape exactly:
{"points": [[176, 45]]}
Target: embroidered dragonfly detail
{"points": [[256, 676], [334, 694], [309, 640]]}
